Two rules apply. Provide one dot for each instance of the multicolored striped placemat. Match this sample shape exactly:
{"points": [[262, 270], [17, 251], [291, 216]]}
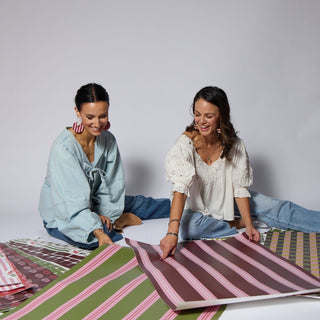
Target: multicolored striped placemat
{"points": [[107, 284], [298, 247], [206, 273]]}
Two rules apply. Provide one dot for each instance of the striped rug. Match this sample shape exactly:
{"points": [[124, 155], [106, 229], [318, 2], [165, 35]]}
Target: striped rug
{"points": [[298, 247], [107, 284], [206, 273]]}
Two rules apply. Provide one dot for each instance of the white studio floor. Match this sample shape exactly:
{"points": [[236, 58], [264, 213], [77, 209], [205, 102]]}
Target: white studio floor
{"points": [[151, 231]]}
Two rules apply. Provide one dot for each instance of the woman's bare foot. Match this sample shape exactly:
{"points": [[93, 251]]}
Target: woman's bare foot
{"points": [[126, 219], [237, 223]]}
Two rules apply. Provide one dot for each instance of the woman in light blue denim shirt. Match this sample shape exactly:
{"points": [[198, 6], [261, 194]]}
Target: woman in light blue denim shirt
{"points": [[83, 194]]}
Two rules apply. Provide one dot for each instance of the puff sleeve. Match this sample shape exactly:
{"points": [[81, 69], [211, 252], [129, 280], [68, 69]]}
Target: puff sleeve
{"points": [[179, 164], [242, 174]]}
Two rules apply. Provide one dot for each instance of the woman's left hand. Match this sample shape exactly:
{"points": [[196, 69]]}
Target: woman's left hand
{"points": [[105, 220], [252, 233], [102, 237], [168, 246]]}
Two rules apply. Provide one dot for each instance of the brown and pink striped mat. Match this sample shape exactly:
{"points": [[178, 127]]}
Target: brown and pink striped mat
{"points": [[215, 272]]}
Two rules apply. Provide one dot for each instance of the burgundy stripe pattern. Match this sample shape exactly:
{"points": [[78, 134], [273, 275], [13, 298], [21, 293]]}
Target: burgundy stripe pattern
{"points": [[35, 273], [215, 272]]}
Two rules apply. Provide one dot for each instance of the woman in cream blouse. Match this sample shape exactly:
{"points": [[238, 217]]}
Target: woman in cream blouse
{"points": [[210, 173]]}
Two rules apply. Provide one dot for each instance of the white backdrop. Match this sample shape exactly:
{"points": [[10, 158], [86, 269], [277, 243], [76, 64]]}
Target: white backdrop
{"points": [[152, 57]]}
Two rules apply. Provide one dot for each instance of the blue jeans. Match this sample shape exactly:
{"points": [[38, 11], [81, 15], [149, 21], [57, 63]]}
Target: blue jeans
{"points": [[54, 232], [282, 214], [275, 213], [143, 207]]}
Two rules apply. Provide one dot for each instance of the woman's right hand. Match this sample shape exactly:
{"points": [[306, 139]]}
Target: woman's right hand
{"points": [[102, 237], [168, 245], [105, 220]]}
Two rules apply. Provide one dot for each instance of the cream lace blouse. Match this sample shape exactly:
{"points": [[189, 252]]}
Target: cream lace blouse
{"points": [[210, 189]]}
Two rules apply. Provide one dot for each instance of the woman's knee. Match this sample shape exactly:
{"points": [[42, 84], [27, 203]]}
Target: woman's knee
{"points": [[188, 233], [189, 228]]}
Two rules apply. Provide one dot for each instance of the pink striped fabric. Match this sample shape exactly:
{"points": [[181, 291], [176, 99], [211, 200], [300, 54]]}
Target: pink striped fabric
{"points": [[215, 272], [59, 312], [86, 269], [143, 306], [113, 300], [208, 313], [169, 315]]}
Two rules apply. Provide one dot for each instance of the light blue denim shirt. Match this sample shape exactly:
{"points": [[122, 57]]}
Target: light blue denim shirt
{"points": [[75, 191]]}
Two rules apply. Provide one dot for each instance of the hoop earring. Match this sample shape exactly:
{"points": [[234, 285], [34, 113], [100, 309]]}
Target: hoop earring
{"points": [[78, 126], [108, 125]]}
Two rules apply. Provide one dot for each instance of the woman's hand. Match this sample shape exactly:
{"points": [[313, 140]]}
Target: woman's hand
{"points": [[252, 233], [102, 237], [168, 245], [244, 208], [105, 220]]}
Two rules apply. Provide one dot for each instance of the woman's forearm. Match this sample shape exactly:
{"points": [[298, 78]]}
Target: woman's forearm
{"points": [[244, 208], [176, 211], [168, 244]]}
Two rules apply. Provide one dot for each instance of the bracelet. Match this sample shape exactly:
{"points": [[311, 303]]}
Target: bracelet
{"points": [[172, 234], [174, 220]]}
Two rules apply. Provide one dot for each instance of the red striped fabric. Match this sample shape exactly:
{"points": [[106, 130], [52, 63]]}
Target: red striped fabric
{"points": [[215, 272]]}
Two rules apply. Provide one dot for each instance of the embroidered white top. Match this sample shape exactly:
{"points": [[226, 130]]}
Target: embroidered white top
{"points": [[210, 188]]}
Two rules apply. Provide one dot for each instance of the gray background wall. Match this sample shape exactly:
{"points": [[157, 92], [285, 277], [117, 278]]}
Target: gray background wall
{"points": [[153, 56]]}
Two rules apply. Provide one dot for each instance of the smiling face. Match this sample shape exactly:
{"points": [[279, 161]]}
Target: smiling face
{"points": [[94, 116], [206, 117]]}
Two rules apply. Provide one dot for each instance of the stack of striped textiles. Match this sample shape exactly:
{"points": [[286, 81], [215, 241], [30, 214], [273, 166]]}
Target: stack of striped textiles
{"points": [[35, 263], [114, 283], [11, 280]]}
